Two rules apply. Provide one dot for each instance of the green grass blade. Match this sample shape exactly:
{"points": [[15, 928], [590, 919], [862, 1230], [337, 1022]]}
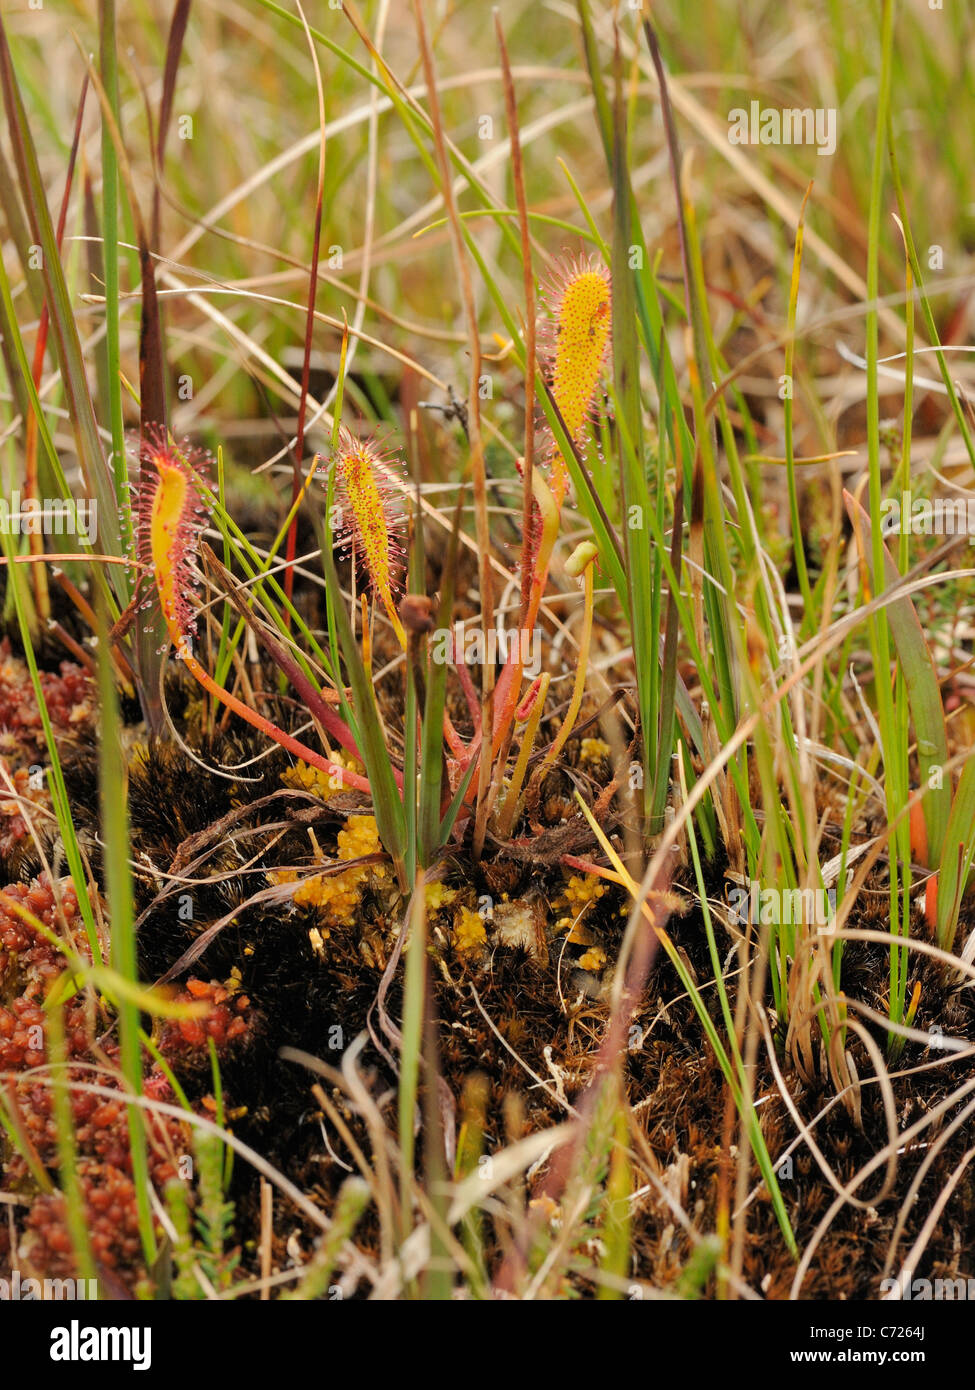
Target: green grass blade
{"points": [[390, 816], [923, 690], [956, 857]]}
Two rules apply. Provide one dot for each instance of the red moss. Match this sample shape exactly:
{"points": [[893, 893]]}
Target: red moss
{"points": [[13, 825], [29, 962], [69, 697], [104, 1169], [226, 1022], [111, 1219]]}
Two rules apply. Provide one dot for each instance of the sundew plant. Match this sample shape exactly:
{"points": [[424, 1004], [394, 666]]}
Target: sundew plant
{"points": [[486, 695]]}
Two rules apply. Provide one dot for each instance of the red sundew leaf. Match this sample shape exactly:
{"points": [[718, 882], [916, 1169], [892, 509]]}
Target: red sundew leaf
{"points": [[575, 342], [171, 517], [369, 526]]}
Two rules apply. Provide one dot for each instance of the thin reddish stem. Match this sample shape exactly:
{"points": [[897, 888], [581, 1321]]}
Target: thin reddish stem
{"points": [[257, 721]]}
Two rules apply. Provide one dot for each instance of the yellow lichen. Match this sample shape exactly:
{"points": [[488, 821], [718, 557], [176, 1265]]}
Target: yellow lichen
{"points": [[470, 933], [581, 890], [592, 750], [548, 1208], [578, 933], [316, 780], [593, 960], [360, 837], [233, 983], [337, 896], [438, 895]]}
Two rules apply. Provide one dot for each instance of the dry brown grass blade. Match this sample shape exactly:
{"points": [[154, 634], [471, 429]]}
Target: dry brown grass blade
{"points": [[528, 280], [289, 574], [528, 508], [174, 51]]}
